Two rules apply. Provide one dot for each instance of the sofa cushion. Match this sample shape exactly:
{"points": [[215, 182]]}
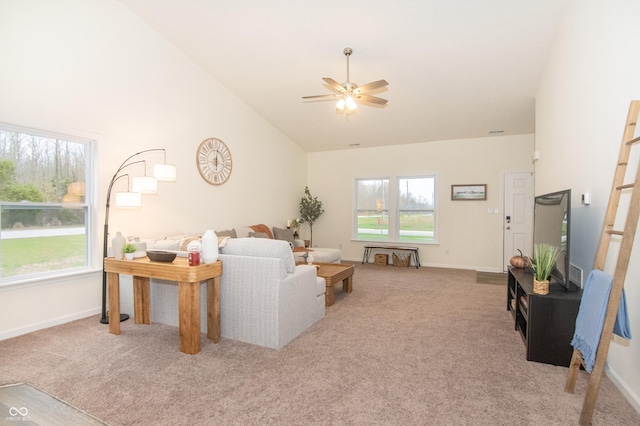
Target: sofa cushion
{"points": [[283, 234], [243, 231], [173, 245], [258, 235], [261, 247]]}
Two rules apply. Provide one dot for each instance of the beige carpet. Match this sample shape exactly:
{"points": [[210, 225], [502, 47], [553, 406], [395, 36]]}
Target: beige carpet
{"points": [[407, 347]]}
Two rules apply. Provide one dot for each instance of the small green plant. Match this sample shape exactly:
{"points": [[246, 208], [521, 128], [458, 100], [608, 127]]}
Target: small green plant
{"points": [[544, 259], [129, 248]]}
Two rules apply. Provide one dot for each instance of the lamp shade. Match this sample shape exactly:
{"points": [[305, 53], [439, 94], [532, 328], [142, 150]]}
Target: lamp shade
{"points": [[128, 199], [340, 104], [164, 172], [145, 185]]}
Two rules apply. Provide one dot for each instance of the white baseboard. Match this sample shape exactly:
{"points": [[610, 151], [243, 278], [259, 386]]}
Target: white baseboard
{"points": [[438, 265], [630, 396], [8, 334]]}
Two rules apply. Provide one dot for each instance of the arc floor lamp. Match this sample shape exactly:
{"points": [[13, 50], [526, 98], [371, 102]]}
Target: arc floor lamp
{"points": [[141, 185]]}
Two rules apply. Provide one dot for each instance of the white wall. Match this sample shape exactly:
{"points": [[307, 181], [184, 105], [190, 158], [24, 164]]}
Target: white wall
{"points": [[472, 237], [591, 76], [93, 68]]}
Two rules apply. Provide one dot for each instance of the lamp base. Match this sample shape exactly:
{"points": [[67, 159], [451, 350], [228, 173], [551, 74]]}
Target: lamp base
{"points": [[123, 317]]}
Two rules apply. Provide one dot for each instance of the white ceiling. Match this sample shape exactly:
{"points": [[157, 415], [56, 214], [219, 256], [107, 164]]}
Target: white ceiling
{"points": [[456, 69]]}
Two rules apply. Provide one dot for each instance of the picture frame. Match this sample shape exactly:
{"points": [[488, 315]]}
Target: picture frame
{"points": [[469, 192]]}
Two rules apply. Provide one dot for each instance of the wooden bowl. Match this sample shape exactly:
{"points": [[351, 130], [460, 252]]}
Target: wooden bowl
{"points": [[161, 256]]}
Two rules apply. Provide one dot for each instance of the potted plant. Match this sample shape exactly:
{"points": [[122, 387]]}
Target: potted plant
{"points": [[310, 211], [544, 260], [128, 250], [295, 224]]}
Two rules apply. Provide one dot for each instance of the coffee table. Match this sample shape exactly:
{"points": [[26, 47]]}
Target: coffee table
{"points": [[334, 273]]}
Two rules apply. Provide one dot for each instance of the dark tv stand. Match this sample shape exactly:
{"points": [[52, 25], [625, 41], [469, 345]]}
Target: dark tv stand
{"points": [[545, 322]]}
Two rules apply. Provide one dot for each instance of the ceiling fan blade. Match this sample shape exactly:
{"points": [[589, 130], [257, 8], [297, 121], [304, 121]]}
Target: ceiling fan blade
{"points": [[334, 85], [371, 99], [371, 86], [320, 96]]}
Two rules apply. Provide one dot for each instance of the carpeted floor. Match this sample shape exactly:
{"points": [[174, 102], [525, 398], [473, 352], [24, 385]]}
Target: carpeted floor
{"points": [[407, 347]]}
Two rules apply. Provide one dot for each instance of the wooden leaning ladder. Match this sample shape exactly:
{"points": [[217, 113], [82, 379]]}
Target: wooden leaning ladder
{"points": [[619, 275]]}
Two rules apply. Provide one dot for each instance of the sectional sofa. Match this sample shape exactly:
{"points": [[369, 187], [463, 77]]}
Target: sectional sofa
{"points": [[266, 298]]}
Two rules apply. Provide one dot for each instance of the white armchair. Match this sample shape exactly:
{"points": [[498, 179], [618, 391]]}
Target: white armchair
{"points": [[265, 299]]}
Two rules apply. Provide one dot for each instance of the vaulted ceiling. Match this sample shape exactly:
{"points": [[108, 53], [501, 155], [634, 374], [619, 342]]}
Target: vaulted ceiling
{"points": [[456, 69]]}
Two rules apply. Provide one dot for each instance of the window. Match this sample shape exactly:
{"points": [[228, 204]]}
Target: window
{"points": [[372, 209], [409, 218], [44, 204], [416, 212]]}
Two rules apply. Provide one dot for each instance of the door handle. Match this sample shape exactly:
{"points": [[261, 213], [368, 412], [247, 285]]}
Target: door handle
{"points": [[508, 227]]}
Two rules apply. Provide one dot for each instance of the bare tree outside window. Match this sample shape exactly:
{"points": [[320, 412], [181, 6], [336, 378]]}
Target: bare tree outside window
{"points": [[43, 202]]}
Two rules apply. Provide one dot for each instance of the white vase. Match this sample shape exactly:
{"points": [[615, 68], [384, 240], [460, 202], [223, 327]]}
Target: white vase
{"points": [[209, 247], [128, 256], [117, 243]]}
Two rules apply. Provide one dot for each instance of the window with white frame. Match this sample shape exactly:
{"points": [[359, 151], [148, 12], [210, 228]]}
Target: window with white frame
{"points": [[416, 209], [403, 212], [372, 209], [45, 212]]}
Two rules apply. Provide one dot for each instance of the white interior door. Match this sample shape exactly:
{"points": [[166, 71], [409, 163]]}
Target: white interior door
{"points": [[518, 215]]}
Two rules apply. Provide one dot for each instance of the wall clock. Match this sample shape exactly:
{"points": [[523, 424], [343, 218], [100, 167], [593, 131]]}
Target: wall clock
{"points": [[213, 159]]}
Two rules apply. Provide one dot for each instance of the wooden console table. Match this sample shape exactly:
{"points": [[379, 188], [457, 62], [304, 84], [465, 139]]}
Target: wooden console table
{"points": [[188, 279], [414, 252]]}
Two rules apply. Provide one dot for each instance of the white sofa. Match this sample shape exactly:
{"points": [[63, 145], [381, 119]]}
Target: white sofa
{"points": [[265, 299], [326, 255], [177, 241]]}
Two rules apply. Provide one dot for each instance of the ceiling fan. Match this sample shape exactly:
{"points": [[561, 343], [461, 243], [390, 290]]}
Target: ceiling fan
{"points": [[348, 93]]}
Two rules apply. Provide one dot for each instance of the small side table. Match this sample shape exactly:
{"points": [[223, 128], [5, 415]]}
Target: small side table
{"points": [[188, 279]]}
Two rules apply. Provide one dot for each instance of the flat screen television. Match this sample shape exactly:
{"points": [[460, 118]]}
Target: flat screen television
{"points": [[552, 225]]}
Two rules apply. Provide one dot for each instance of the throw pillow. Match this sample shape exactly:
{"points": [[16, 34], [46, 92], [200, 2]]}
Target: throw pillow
{"points": [[185, 242], [258, 235], [227, 233], [283, 234], [262, 228]]}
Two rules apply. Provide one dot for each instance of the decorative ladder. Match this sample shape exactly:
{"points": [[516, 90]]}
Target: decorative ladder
{"points": [[626, 244]]}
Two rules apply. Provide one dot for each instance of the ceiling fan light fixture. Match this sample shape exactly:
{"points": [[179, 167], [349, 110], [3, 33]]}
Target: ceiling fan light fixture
{"points": [[346, 91], [351, 104]]}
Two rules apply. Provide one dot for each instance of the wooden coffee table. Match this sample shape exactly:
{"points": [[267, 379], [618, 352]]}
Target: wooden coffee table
{"points": [[334, 273]]}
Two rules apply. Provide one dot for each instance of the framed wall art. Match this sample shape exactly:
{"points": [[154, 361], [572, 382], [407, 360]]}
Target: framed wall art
{"points": [[469, 192]]}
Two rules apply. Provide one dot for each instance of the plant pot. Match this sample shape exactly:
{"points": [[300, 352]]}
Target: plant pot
{"points": [[540, 287], [128, 256]]}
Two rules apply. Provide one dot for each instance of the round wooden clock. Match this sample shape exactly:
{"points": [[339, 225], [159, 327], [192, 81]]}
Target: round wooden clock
{"points": [[213, 159]]}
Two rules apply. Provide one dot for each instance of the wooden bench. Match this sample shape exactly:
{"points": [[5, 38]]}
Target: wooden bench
{"points": [[414, 252]]}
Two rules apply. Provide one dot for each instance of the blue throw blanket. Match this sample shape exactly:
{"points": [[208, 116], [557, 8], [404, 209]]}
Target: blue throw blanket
{"points": [[590, 320]]}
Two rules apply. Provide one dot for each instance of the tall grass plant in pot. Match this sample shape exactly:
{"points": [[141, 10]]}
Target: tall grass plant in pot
{"points": [[544, 260]]}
